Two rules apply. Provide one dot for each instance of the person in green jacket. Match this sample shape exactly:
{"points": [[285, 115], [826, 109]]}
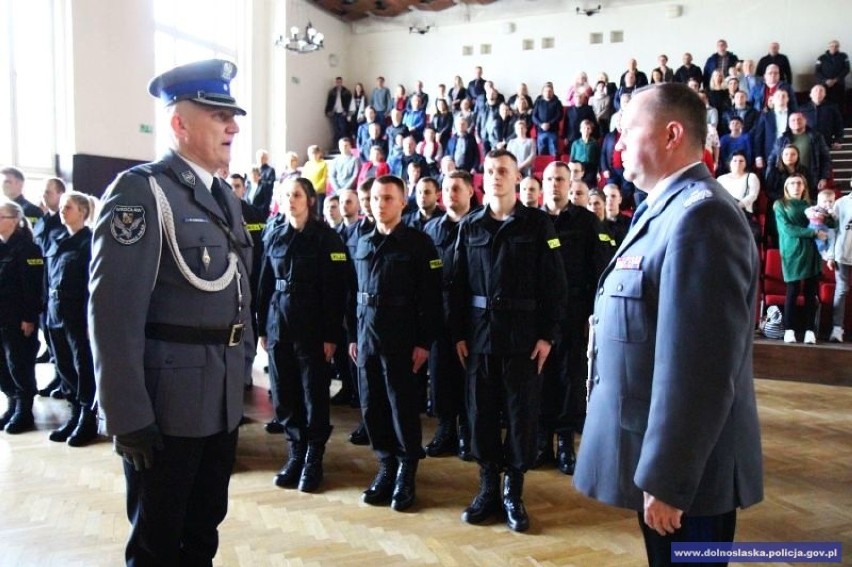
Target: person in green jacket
{"points": [[800, 262]]}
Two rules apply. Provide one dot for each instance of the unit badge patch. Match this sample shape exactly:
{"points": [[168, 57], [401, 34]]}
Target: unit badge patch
{"points": [[128, 223]]}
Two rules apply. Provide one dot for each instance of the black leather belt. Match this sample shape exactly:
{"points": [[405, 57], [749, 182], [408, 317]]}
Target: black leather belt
{"points": [[231, 336], [502, 303], [375, 300]]}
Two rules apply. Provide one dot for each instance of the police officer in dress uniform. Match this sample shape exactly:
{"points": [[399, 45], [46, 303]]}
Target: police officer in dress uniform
{"points": [[170, 317], [13, 188], [445, 370], [506, 302], [672, 429], [398, 314], [302, 296], [583, 257], [21, 302]]}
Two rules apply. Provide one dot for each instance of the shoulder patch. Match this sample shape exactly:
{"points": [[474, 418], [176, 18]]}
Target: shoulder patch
{"points": [[255, 226], [553, 243], [188, 177], [696, 196], [128, 223], [338, 257], [435, 264], [606, 238], [35, 262]]}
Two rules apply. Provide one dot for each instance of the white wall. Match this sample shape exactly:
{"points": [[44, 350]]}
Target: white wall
{"points": [[112, 45], [802, 28]]}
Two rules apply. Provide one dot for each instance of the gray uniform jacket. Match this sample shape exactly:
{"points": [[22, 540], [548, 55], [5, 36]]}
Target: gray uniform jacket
{"points": [[672, 409], [188, 390]]}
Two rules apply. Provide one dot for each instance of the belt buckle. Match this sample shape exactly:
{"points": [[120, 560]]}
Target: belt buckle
{"points": [[236, 336]]}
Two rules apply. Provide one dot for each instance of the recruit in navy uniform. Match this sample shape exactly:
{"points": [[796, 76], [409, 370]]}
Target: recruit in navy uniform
{"points": [[672, 429], [169, 317]]}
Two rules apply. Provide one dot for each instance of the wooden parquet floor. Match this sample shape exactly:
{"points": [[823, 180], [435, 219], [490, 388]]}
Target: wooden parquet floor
{"points": [[65, 507]]}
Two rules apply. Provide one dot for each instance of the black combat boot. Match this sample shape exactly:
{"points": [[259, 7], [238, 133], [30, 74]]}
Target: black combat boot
{"points": [[62, 434], [544, 449], [446, 440], [312, 471], [22, 420], [359, 435], [404, 489], [289, 475], [565, 457], [86, 430], [381, 489], [487, 502], [516, 514], [11, 406]]}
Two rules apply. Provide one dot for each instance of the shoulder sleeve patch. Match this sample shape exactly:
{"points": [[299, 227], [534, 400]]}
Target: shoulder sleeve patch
{"points": [[35, 262], [128, 223], [338, 256], [255, 226], [553, 243], [436, 264], [606, 238]]}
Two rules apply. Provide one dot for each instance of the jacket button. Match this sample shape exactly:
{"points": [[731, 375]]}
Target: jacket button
{"points": [[619, 287], [596, 350], [596, 320], [597, 379], [600, 291]]}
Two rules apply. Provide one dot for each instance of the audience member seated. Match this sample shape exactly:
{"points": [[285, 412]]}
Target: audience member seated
{"points": [[370, 117], [521, 93], [415, 119], [447, 167], [733, 142], [748, 79], [400, 98], [458, 93], [666, 72], [801, 265], [574, 116], [375, 166], [431, 150], [612, 168], [344, 168], [688, 71], [611, 87], [771, 83], [546, 115], [418, 91], [824, 117], [292, 168], [463, 149], [441, 95], [442, 122], [466, 112], [627, 88], [747, 115], [522, 147], [602, 106], [374, 138], [489, 127], [712, 113], [721, 60], [581, 86], [717, 93]]}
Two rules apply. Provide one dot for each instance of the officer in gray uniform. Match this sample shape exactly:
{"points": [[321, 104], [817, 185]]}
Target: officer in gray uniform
{"points": [[169, 317]]}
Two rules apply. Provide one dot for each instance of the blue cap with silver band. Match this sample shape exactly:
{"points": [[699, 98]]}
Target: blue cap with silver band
{"points": [[205, 82]]}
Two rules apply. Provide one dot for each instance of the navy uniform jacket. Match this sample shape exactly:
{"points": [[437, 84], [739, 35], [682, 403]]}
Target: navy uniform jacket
{"points": [[414, 219], [261, 196], [46, 229], [519, 272], [399, 293], [584, 253], [302, 290], [672, 407], [255, 222], [188, 390], [21, 281], [67, 268], [32, 212], [443, 231]]}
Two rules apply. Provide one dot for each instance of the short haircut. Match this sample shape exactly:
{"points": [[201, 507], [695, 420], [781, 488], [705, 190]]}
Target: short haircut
{"points": [[377, 147], [735, 118], [611, 186], [466, 178], [430, 181], [366, 185], [14, 172], [58, 183], [675, 101], [239, 176], [496, 154], [345, 139], [393, 180], [333, 198]]}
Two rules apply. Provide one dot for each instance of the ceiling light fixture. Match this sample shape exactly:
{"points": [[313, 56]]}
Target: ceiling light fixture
{"points": [[588, 11], [311, 40]]}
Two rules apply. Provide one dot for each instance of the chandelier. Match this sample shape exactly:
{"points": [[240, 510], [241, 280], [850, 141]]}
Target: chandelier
{"points": [[311, 40]]}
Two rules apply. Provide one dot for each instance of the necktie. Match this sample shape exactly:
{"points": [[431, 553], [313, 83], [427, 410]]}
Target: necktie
{"points": [[640, 210], [221, 198]]}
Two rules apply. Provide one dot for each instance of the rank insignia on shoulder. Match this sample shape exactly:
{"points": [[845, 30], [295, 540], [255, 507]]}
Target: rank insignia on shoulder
{"points": [[435, 264], [128, 224], [35, 262], [338, 256], [697, 195], [188, 176], [628, 263], [553, 243]]}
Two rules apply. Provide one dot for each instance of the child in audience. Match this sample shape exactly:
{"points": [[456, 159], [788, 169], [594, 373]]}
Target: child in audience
{"points": [[820, 218]]}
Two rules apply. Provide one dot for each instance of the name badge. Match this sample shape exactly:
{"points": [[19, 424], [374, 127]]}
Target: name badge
{"points": [[195, 219], [628, 263]]}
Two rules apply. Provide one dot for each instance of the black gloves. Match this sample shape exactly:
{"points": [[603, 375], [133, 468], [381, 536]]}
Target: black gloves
{"points": [[137, 447]]}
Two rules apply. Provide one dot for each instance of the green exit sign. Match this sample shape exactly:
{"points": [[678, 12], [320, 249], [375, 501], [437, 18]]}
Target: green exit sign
{"points": [[146, 128]]}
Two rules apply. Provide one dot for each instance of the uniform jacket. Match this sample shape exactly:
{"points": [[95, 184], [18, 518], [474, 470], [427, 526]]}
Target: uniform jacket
{"points": [[519, 270], [21, 280], [796, 242], [443, 231], [584, 255], [32, 212], [261, 196], [188, 390], [672, 409], [67, 270], [46, 229], [832, 66], [313, 263], [402, 268]]}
